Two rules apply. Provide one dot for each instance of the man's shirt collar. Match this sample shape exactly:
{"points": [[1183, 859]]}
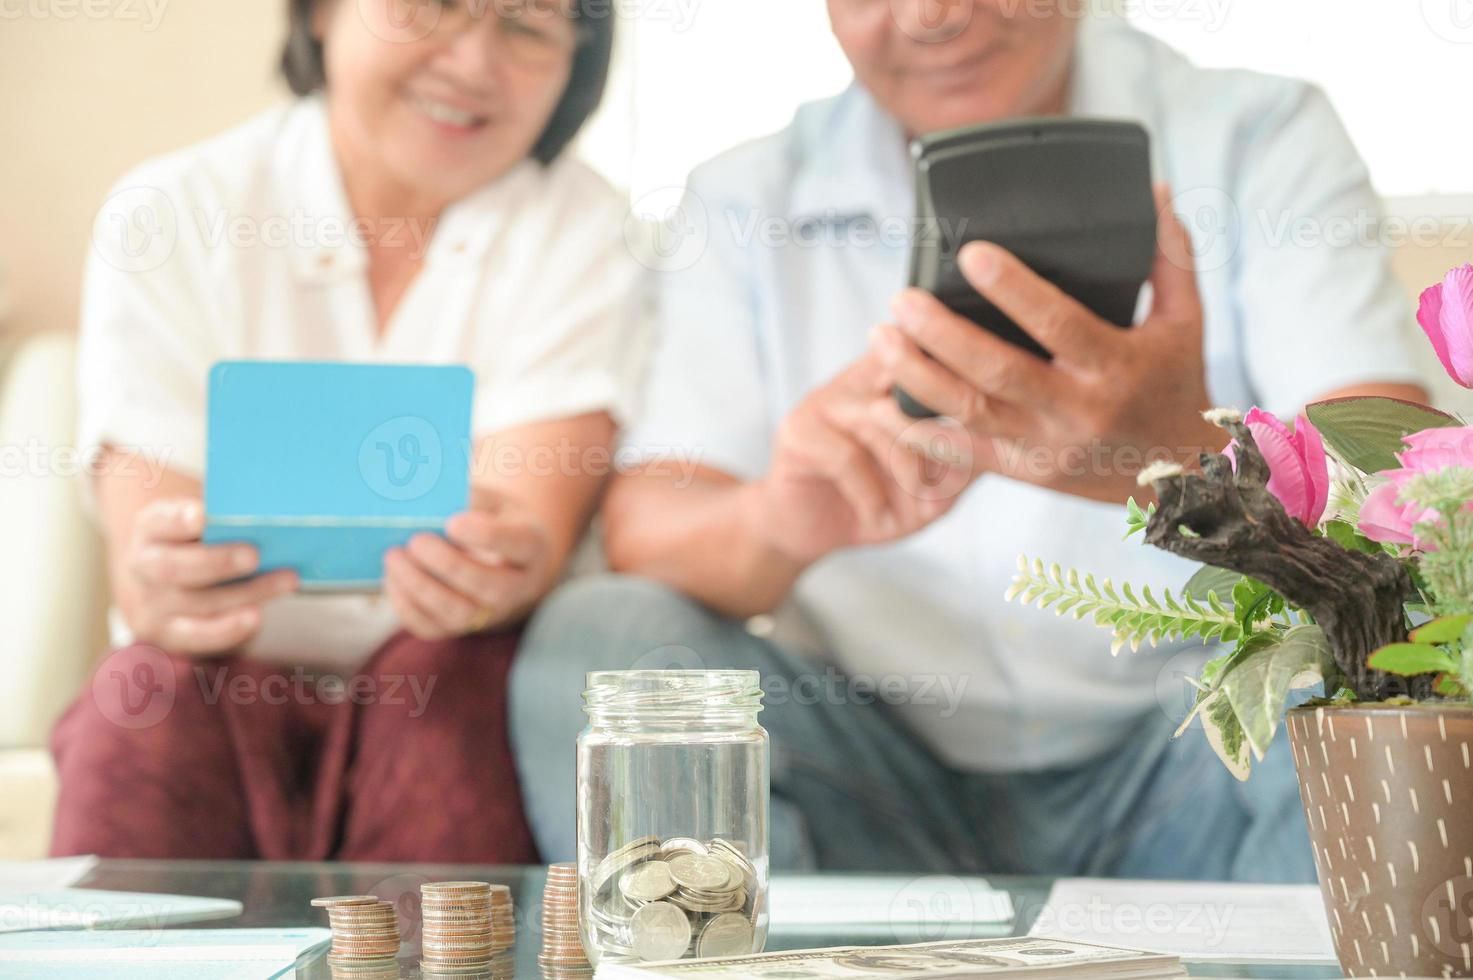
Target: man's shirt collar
{"points": [[856, 158]]}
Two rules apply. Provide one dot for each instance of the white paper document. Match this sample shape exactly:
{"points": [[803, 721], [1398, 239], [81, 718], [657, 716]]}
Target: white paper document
{"points": [[1199, 921], [90, 908], [936, 906], [24, 876], [223, 954]]}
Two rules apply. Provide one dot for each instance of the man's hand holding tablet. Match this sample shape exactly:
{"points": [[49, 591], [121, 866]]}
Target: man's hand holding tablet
{"points": [[1087, 422]]}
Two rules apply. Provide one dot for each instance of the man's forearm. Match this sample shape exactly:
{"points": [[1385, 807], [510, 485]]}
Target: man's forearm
{"points": [[705, 540]]}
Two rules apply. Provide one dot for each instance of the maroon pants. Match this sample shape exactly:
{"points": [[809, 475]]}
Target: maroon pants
{"points": [[405, 760]]}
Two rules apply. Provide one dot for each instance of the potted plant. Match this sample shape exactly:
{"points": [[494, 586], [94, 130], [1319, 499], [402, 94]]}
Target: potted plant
{"points": [[1371, 598]]}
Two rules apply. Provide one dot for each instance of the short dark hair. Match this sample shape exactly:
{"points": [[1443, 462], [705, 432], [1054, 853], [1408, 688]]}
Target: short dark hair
{"points": [[302, 64]]}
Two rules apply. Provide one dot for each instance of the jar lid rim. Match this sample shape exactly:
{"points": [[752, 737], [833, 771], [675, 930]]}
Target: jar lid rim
{"points": [[711, 689]]}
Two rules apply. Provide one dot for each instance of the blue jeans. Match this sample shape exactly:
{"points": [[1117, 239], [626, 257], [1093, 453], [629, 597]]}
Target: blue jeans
{"points": [[853, 790]]}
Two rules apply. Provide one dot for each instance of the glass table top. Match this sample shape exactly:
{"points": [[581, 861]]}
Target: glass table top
{"points": [[279, 895]]}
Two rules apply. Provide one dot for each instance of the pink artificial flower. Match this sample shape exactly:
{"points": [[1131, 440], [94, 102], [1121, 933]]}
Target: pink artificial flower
{"points": [[1299, 471], [1384, 516], [1446, 315]]}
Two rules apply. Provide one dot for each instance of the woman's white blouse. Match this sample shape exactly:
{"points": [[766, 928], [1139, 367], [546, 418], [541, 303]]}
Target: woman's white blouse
{"points": [[244, 247]]}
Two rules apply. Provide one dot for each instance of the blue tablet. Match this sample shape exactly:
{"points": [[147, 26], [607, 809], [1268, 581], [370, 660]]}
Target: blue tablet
{"points": [[325, 466]]}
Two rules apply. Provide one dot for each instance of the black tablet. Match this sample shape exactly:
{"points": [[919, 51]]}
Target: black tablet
{"points": [[1070, 197]]}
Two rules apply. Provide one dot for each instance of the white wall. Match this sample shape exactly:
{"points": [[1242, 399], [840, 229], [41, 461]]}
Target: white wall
{"points": [[94, 86], [1399, 71], [704, 74]]}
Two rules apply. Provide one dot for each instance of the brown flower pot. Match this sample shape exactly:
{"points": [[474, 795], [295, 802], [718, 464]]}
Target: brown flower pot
{"points": [[1388, 792]]}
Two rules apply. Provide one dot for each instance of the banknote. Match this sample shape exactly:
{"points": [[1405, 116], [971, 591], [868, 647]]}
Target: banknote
{"points": [[1037, 958]]}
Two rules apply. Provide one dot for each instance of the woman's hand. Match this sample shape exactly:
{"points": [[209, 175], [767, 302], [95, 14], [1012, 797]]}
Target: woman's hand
{"points": [[491, 567], [188, 597]]}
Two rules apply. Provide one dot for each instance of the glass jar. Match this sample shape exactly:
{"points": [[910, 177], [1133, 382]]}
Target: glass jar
{"points": [[672, 815]]}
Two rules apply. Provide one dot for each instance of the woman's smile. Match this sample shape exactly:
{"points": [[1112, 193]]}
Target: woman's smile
{"points": [[449, 118]]}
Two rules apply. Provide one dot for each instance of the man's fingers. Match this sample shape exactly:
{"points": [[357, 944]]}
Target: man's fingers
{"points": [[193, 565], [866, 377], [929, 381], [863, 486], [1062, 324], [1175, 295], [175, 519], [989, 364], [847, 464], [924, 378], [919, 488], [945, 451], [211, 634], [513, 539]]}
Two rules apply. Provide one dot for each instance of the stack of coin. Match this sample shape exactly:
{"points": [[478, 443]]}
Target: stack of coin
{"points": [[665, 900], [365, 930], [467, 924], [562, 956]]}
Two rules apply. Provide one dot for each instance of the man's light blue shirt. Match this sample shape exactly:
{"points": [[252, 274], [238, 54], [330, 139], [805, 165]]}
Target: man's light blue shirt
{"points": [[800, 240]]}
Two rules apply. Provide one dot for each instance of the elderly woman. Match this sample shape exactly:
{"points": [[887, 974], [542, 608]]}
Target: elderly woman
{"points": [[415, 204]]}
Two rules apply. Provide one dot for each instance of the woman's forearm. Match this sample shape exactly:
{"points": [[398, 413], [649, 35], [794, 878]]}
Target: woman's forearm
{"points": [[704, 539]]}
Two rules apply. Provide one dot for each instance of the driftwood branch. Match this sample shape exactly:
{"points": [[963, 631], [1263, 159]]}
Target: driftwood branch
{"points": [[1236, 523]]}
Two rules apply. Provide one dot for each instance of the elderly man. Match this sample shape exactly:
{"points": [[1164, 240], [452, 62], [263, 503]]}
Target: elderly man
{"points": [[941, 729]]}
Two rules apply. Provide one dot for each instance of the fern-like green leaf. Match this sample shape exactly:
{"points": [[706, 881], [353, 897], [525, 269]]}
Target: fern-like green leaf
{"points": [[1131, 619]]}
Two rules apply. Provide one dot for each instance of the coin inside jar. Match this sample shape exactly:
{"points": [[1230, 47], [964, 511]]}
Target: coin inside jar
{"points": [[625, 857], [660, 931], [648, 882], [702, 880], [701, 872], [729, 934]]}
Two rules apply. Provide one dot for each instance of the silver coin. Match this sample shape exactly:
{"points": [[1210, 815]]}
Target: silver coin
{"points": [[647, 882], [676, 846], [726, 903], [703, 873], [625, 857], [729, 934], [660, 931], [725, 849]]}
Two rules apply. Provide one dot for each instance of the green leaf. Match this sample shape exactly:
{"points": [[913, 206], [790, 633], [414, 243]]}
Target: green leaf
{"points": [[1348, 537], [1225, 735], [1211, 579], [1132, 619], [1215, 669], [1367, 433], [1444, 630], [1253, 602], [1258, 687], [1136, 519], [1411, 659], [1448, 687]]}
